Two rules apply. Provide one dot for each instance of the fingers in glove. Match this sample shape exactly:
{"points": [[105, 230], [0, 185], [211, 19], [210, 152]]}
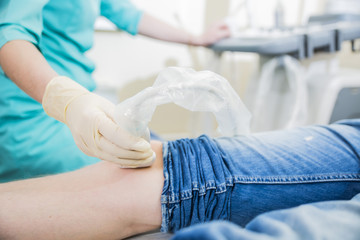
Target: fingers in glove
{"points": [[110, 148], [127, 163], [120, 137], [81, 143]]}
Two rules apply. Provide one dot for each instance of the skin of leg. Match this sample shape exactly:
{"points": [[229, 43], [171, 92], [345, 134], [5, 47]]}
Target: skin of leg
{"points": [[101, 201]]}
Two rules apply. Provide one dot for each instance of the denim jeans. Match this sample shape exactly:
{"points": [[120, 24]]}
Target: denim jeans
{"points": [[330, 220], [239, 178]]}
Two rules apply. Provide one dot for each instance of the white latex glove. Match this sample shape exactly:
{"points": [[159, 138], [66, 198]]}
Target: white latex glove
{"points": [[90, 119]]}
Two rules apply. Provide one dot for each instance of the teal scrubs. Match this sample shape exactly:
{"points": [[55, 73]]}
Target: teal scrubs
{"points": [[31, 143]]}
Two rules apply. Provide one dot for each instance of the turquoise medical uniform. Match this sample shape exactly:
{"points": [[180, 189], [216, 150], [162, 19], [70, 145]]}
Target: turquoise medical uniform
{"points": [[32, 143]]}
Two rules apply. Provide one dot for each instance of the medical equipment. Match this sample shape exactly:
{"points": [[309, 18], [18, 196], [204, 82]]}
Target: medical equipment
{"points": [[279, 15], [324, 33], [341, 99], [195, 91], [279, 102]]}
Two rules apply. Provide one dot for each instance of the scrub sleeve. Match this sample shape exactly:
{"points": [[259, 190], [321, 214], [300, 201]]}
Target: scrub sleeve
{"points": [[123, 14], [21, 23]]}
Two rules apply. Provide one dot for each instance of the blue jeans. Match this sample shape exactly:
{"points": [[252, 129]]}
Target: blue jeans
{"points": [[239, 178], [330, 220]]}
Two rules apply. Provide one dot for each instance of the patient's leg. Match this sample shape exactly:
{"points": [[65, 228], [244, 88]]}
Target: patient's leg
{"points": [[239, 178], [198, 180], [101, 201]]}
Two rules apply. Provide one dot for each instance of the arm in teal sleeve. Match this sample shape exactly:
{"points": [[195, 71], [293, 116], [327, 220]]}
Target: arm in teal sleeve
{"points": [[122, 13], [20, 20]]}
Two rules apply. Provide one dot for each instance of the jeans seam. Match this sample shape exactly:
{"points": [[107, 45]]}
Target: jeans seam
{"points": [[297, 178], [187, 194]]}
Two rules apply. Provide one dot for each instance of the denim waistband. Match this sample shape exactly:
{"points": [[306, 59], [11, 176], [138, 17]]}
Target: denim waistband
{"points": [[195, 175]]}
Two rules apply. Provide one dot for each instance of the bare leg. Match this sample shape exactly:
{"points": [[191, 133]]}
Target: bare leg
{"points": [[102, 201]]}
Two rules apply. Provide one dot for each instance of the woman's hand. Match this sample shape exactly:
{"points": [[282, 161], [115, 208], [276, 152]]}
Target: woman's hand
{"points": [[152, 27], [213, 34]]}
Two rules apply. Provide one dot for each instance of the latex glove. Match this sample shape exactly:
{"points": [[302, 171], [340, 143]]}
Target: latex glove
{"points": [[212, 35], [90, 119]]}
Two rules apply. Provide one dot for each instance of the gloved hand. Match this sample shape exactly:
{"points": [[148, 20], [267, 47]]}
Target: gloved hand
{"points": [[90, 119]]}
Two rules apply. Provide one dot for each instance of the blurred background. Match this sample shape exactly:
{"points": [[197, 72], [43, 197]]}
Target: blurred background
{"points": [[127, 64]]}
